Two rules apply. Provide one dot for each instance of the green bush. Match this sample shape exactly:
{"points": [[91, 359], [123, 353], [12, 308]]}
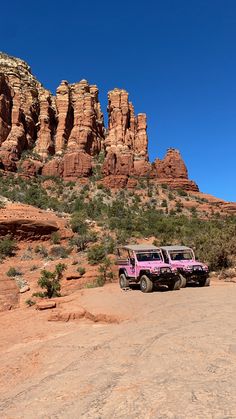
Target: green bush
{"points": [[105, 272], [14, 272], [60, 252], [55, 237], [164, 203], [30, 302], [82, 241], [41, 250], [7, 247], [96, 254], [81, 270], [51, 281], [179, 206], [181, 192], [78, 225]]}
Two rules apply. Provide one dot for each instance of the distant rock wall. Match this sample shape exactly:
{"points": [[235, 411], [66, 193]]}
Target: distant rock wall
{"points": [[61, 135]]}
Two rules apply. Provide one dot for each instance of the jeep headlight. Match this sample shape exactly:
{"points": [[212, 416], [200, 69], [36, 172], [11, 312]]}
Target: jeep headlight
{"points": [[156, 270]]}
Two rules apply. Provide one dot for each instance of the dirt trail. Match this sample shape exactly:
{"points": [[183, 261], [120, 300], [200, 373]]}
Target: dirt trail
{"points": [[173, 355]]}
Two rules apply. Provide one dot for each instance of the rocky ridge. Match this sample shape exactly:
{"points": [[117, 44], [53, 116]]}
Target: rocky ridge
{"points": [[62, 135]]}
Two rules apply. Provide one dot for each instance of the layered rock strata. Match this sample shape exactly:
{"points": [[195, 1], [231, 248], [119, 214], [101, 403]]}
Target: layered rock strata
{"points": [[173, 171], [61, 135], [126, 142]]}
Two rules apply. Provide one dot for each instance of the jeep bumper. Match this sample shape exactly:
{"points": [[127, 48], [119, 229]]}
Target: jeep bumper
{"points": [[164, 278]]}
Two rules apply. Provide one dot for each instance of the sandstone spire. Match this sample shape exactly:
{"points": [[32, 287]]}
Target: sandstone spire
{"points": [[69, 129]]}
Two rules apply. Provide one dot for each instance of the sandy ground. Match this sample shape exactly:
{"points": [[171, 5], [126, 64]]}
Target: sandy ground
{"points": [[170, 355]]}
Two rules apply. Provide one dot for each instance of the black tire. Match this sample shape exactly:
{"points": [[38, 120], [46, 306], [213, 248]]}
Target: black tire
{"points": [[146, 285], [204, 282], [175, 285], [183, 281], [123, 281]]}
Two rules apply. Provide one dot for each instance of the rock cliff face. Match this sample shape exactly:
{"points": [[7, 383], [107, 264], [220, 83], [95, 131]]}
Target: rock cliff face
{"points": [[173, 171], [61, 135], [126, 142]]}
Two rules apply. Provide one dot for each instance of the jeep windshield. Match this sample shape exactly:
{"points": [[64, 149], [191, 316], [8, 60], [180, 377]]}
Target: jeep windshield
{"points": [[186, 255], [148, 256]]}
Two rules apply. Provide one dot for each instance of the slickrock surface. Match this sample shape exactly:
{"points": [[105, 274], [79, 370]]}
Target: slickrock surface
{"points": [[9, 294], [61, 135], [29, 223], [170, 355]]}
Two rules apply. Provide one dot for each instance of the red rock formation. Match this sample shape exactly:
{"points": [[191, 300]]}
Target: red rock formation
{"points": [[172, 166], [172, 171], [29, 223], [65, 116], [65, 132], [126, 142], [5, 108], [30, 167], [18, 110], [77, 165], [46, 124], [31, 118]]}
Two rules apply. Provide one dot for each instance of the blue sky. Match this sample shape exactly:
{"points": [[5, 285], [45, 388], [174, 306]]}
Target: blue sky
{"points": [[176, 58]]}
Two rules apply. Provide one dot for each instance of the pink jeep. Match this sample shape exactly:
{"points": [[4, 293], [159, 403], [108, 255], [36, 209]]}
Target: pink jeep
{"points": [[183, 259], [144, 264]]}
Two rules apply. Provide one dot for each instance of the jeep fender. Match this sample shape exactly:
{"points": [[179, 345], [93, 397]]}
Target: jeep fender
{"points": [[144, 272], [123, 271]]}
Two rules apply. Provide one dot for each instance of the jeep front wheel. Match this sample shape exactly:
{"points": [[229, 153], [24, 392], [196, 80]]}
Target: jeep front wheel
{"points": [[175, 285], [146, 285], [124, 282], [183, 281], [204, 282]]}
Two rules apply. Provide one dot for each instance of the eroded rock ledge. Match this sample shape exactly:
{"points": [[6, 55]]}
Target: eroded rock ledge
{"points": [[62, 135]]}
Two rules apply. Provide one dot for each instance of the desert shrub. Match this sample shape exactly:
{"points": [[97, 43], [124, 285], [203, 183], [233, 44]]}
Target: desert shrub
{"points": [[105, 272], [55, 237], [82, 241], [179, 206], [85, 188], [41, 250], [30, 302], [7, 247], [181, 192], [136, 199], [193, 211], [122, 237], [164, 203], [81, 270], [14, 272], [171, 197], [78, 225], [27, 255], [96, 254], [109, 243], [60, 252], [50, 281]]}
